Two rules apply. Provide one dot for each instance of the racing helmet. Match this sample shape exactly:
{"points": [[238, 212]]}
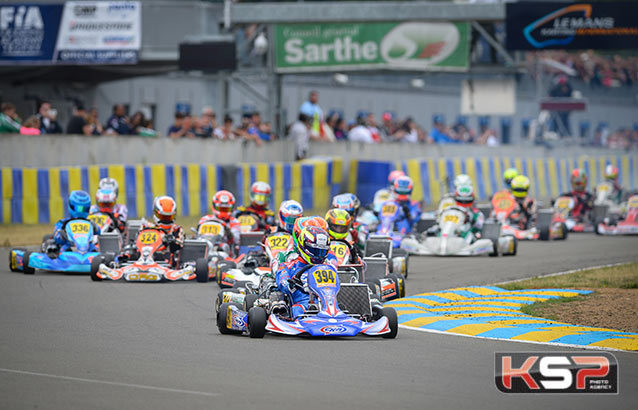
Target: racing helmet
{"points": [[164, 211], [345, 202], [313, 245], [289, 212], [105, 199], [509, 175], [260, 194], [79, 204], [611, 173], [402, 188], [339, 223], [578, 180], [462, 179], [520, 186], [109, 183], [306, 221], [464, 196], [223, 204], [392, 176]]}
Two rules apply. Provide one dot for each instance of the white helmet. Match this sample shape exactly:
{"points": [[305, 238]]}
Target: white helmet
{"points": [[462, 180], [109, 183]]}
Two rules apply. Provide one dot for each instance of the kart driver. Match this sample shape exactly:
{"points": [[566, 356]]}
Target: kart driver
{"points": [[259, 199], [508, 176], [120, 211], [410, 210], [611, 175], [105, 199], [385, 194], [78, 207], [289, 211], [312, 248], [584, 201], [222, 206], [464, 199], [525, 210], [339, 229], [351, 204], [164, 213]]}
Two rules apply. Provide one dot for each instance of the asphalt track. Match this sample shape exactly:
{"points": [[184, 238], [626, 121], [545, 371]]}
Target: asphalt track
{"points": [[69, 343]]}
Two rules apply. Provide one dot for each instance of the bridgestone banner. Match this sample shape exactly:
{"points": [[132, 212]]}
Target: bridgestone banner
{"points": [[541, 25], [413, 46]]}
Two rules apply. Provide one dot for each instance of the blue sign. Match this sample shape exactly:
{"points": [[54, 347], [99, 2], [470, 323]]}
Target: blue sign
{"points": [[28, 32]]}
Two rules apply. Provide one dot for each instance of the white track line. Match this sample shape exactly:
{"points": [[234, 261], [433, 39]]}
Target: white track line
{"points": [[134, 386], [567, 272]]}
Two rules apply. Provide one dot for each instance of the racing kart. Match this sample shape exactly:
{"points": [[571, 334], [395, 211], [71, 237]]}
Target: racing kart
{"points": [[603, 198], [112, 264], [215, 234], [563, 207], [628, 225], [334, 309], [449, 242], [75, 257]]}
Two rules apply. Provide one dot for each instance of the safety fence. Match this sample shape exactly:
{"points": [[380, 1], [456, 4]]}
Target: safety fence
{"points": [[433, 177], [40, 195]]}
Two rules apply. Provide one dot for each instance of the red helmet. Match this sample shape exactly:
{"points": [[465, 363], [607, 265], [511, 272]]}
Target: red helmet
{"points": [[611, 172], [164, 211], [402, 188], [579, 180], [260, 194], [223, 204], [105, 199], [394, 175]]}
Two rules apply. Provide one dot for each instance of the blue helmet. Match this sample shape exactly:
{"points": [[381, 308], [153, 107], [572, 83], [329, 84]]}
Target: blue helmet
{"points": [[348, 202], [289, 211], [79, 204]]}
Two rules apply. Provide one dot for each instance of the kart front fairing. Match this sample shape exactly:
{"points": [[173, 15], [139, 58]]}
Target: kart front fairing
{"points": [[68, 261]]}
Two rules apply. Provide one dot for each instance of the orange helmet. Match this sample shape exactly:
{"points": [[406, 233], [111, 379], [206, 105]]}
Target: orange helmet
{"points": [[260, 194], [394, 175], [578, 180], [164, 211], [304, 222], [223, 204], [339, 223]]}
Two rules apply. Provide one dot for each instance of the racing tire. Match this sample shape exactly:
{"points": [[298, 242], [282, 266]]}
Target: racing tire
{"points": [[563, 227], [393, 322], [374, 287], [543, 235], [221, 319], [249, 301], [95, 266], [26, 269], [201, 270], [11, 267], [399, 281], [513, 253], [398, 252], [257, 319], [495, 246]]}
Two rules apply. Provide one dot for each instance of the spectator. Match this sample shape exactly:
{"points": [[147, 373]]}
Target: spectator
{"points": [[409, 131], [300, 133], [118, 123], [141, 126], [388, 128], [182, 128], [256, 128], [77, 125], [441, 134], [312, 109], [361, 133], [246, 130], [371, 123], [9, 120], [226, 132], [208, 122], [47, 117], [562, 89], [94, 122], [31, 126]]}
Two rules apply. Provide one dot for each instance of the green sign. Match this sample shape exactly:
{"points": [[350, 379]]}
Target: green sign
{"points": [[414, 46]]}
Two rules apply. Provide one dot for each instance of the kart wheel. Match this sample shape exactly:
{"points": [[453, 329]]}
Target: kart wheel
{"points": [[400, 253], [393, 322], [95, 266], [565, 231], [249, 301], [374, 287], [543, 235], [11, 266], [515, 247], [399, 280], [25, 264], [257, 319], [201, 270], [495, 247], [222, 317]]}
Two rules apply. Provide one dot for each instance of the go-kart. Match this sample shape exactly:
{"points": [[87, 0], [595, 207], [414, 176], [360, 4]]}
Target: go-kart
{"points": [[449, 242], [334, 309], [75, 257], [627, 225], [111, 264], [503, 204], [215, 233], [563, 207], [603, 198], [249, 222]]}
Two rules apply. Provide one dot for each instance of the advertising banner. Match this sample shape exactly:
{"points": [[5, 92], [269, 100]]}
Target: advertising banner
{"points": [[414, 46], [76, 32], [540, 25]]}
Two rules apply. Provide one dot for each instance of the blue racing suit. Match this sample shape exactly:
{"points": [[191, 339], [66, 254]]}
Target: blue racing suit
{"points": [[287, 270], [408, 217], [59, 235]]}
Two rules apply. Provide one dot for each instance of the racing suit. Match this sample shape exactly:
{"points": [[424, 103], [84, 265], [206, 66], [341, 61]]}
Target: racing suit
{"points": [[119, 214], [174, 240], [410, 215], [471, 229], [359, 233], [231, 223], [524, 213], [617, 193], [265, 217], [61, 242], [584, 203]]}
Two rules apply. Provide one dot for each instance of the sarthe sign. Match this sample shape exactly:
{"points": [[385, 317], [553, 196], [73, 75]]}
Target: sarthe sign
{"points": [[538, 26], [414, 46]]}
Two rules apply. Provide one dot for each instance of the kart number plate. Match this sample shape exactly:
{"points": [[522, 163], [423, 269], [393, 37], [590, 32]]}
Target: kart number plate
{"points": [[279, 242], [80, 227], [148, 238], [325, 277], [503, 200], [388, 210], [339, 249], [246, 220], [563, 203], [603, 188], [210, 229], [99, 220], [451, 218], [633, 202]]}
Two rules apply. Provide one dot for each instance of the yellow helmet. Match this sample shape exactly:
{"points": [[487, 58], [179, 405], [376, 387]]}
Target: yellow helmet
{"points": [[339, 221], [509, 175], [520, 186]]}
